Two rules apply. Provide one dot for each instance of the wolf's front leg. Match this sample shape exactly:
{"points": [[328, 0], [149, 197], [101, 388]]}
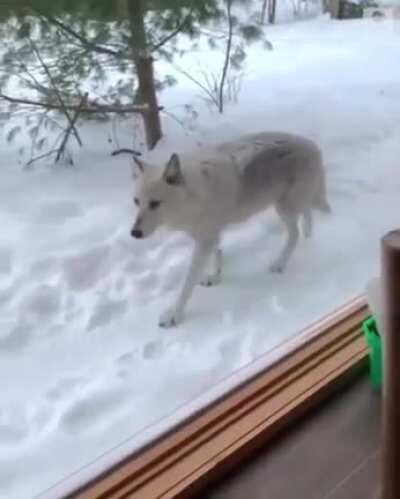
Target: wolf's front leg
{"points": [[201, 253], [214, 277]]}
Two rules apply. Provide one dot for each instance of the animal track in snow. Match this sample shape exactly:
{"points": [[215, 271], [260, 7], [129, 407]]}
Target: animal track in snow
{"points": [[146, 281], [40, 418], [72, 310], [8, 294], [42, 302], [10, 435], [106, 310], [132, 266], [8, 474], [125, 363], [84, 270], [57, 212], [6, 255], [44, 267], [18, 337], [65, 387], [120, 284], [17, 424], [96, 409], [126, 358], [153, 349]]}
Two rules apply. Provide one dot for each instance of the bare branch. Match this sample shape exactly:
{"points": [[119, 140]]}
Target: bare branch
{"points": [[198, 83], [42, 117], [125, 150], [42, 156], [71, 127], [89, 108], [31, 76], [175, 118]]}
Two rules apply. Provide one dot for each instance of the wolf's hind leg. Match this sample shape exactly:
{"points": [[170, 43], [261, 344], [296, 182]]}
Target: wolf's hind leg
{"points": [[290, 219], [307, 223]]}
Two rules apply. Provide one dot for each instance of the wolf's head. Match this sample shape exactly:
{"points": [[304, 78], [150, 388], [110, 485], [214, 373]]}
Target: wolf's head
{"points": [[156, 199]]}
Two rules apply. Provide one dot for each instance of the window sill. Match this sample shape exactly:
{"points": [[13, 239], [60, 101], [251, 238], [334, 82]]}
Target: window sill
{"points": [[226, 432]]}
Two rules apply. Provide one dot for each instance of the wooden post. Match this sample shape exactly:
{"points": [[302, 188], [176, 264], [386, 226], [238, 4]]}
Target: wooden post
{"points": [[391, 361]]}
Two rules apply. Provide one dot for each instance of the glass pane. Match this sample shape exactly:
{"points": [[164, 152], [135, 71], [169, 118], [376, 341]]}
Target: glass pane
{"points": [[145, 144]]}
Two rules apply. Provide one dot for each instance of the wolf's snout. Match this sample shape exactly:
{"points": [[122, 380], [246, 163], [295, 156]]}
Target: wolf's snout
{"points": [[136, 233]]}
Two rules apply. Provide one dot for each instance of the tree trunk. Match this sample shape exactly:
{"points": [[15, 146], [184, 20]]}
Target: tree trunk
{"points": [[263, 11], [145, 73], [227, 57], [271, 11], [147, 94], [334, 8]]}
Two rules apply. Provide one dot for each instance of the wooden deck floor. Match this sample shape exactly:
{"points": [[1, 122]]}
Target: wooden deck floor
{"points": [[333, 453]]}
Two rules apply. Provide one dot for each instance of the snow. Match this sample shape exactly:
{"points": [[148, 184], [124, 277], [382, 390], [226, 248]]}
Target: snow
{"points": [[83, 364]]}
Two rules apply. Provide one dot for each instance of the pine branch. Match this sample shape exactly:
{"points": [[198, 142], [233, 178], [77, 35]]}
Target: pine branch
{"points": [[58, 94], [83, 41], [176, 31]]}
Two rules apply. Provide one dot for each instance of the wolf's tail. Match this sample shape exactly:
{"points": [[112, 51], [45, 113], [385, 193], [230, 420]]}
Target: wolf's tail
{"points": [[322, 205], [320, 201]]}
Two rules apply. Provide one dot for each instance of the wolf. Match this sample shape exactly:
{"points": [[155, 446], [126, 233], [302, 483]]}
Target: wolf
{"points": [[204, 193]]}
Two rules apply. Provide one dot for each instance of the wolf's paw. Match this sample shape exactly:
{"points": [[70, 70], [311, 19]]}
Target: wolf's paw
{"points": [[211, 280], [170, 318], [277, 267]]}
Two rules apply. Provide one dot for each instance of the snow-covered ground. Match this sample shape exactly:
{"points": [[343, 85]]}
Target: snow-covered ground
{"points": [[83, 365]]}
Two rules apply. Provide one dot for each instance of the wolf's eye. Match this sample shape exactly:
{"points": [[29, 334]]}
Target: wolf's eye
{"points": [[136, 201], [153, 205]]}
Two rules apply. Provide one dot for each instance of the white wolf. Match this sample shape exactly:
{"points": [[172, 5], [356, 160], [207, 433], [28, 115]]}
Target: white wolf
{"points": [[204, 193]]}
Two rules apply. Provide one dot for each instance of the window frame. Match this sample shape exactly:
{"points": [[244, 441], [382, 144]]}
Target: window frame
{"points": [[224, 433]]}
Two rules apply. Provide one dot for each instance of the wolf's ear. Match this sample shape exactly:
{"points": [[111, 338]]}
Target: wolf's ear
{"points": [[173, 172], [137, 168]]}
